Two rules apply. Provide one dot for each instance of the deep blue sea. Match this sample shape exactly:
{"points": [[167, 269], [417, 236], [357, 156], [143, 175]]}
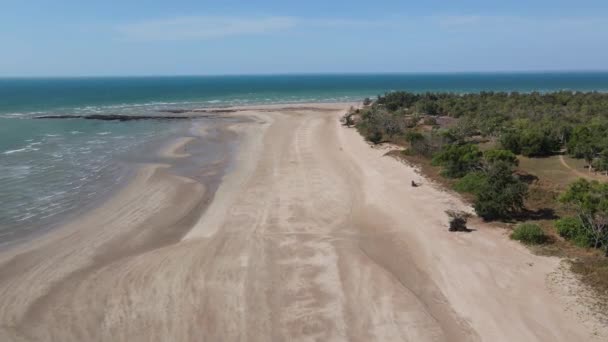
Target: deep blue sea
{"points": [[53, 167]]}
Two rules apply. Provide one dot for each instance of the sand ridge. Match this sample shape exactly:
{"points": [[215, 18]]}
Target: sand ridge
{"points": [[312, 235]]}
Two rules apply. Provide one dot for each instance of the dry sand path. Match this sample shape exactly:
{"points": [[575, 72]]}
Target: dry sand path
{"points": [[313, 236]]}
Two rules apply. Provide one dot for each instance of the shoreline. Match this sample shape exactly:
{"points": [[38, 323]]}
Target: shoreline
{"points": [[162, 154], [311, 234]]}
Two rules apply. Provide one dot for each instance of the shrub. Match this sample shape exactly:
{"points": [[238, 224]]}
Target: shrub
{"points": [[568, 227], [529, 234], [493, 156], [471, 183], [347, 119], [458, 220], [375, 137], [531, 141], [571, 228], [412, 136], [590, 201]]}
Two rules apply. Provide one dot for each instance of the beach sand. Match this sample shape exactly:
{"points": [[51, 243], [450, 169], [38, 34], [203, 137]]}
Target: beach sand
{"points": [[311, 236]]}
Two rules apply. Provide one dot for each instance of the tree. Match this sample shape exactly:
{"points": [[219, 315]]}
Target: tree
{"points": [[536, 142], [510, 141], [392, 125], [583, 145], [458, 160], [426, 107], [502, 194], [590, 201], [579, 141]]}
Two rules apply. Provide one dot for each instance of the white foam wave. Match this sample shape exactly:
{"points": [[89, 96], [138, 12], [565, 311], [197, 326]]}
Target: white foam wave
{"points": [[19, 150]]}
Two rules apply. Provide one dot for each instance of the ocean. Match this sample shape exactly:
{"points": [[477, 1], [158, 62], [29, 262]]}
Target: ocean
{"points": [[50, 169]]}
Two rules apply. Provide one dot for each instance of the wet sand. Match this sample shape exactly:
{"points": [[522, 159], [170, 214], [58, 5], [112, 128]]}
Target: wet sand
{"points": [[310, 235]]}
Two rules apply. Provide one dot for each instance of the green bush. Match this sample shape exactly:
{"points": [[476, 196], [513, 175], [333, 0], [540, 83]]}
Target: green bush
{"points": [[375, 137], [589, 199], [412, 137], [493, 156], [571, 228], [529, 234], [502, 195], [472, 183], [458, 160], [568, 227]]}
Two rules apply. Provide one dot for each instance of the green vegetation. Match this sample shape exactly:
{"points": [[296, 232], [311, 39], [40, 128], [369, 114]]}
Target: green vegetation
{"points": [[517, 157], [458, 160], [475, 138], [472, 183], [501, 195], [529, 234], [532, 125], [571, 228], [493, 156], [589, 200]]}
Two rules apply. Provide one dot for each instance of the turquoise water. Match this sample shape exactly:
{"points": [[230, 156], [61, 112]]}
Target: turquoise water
{"points": [[53, 167], [89, 95], [49, 168]]}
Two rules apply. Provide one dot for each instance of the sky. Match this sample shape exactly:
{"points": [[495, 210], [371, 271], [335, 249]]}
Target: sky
{"points": [[114, 38]]}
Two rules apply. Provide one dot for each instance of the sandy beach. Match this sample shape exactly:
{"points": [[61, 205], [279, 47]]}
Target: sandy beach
{"points": [[311, 235]]}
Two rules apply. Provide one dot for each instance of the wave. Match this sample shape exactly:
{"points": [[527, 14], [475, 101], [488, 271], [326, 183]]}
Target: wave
{"points": [[147, 107], [19, 150]]}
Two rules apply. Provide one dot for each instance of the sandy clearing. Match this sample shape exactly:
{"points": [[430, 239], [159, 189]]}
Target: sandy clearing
{"points": [[312, 235]]}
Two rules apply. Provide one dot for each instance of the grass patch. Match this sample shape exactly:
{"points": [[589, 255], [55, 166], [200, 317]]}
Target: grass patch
{"points": [[529, 234], [593, 272], [552, 172]]}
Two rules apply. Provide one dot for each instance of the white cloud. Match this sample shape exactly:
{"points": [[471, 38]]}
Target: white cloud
{"points": [[203, 27]]}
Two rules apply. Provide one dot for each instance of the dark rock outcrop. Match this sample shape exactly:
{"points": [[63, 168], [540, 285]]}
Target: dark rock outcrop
{"points": [[182, 111], [116, 117]]}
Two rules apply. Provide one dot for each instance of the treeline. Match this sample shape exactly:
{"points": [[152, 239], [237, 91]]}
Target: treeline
{"points": [[531, 124], [475, 138]]}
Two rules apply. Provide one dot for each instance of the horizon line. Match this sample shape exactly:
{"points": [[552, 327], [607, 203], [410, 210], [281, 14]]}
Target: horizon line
{"points": [[354, 73]]}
